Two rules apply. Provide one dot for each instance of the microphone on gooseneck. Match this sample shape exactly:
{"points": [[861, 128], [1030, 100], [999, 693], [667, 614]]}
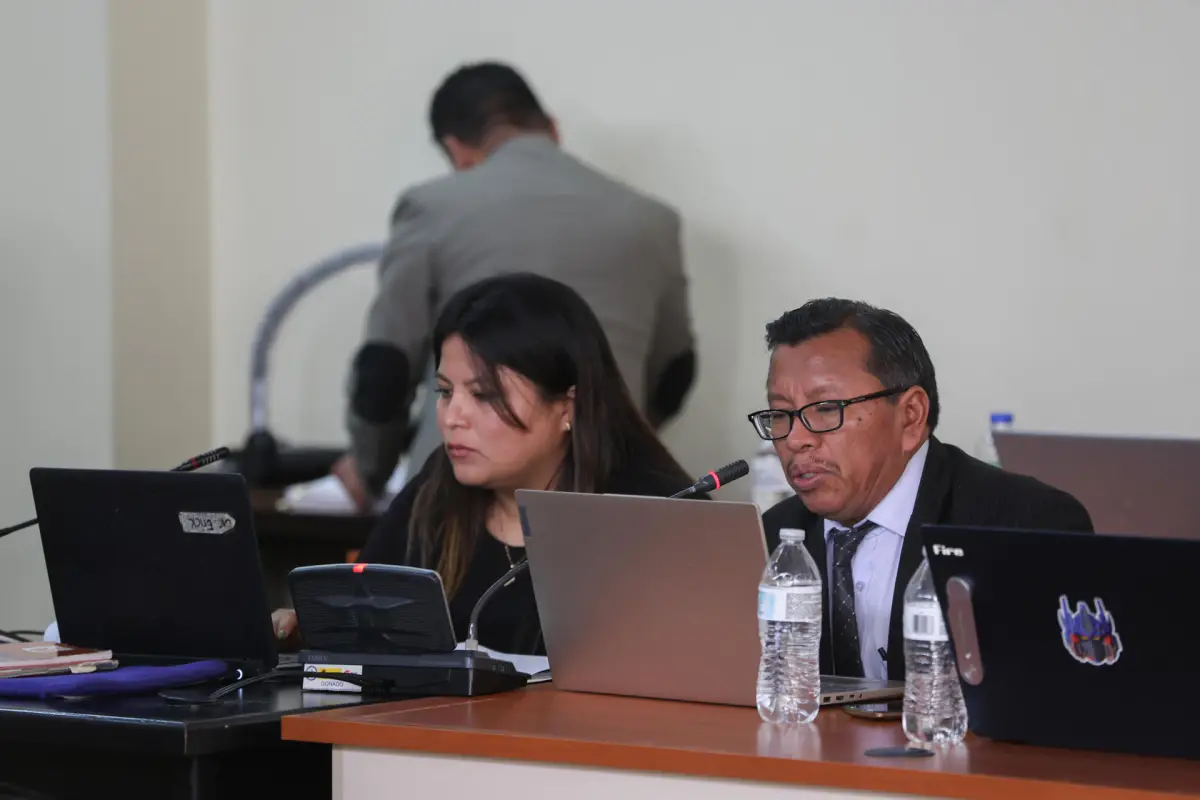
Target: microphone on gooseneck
{"points": [[715, 480], [202, 460], [193, 463], [710, 482]]}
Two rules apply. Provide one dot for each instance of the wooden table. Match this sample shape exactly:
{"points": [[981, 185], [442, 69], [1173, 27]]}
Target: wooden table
{"points": [[287, 540], [539, 742]]}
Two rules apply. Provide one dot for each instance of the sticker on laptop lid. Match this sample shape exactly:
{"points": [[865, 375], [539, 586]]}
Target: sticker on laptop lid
{"points": [[205, 522], [1090, 636]]}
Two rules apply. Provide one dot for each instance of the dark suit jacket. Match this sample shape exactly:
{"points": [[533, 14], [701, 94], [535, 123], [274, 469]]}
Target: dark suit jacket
{"points": [[956, 489]]}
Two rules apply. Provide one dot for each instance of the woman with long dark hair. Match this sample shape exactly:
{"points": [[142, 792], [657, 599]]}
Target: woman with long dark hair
{"points": [[529, 396]]}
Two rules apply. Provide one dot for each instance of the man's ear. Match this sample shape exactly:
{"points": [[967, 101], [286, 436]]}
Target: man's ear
{"points": [[914, 416]]}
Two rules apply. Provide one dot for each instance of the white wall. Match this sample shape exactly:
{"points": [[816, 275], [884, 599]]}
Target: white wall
{"points": [[55, 277], [1018, 179], [162, 331]]}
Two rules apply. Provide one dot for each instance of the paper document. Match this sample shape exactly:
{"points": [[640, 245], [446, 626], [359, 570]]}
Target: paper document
{"points": [[326, 495], [530, 665]]}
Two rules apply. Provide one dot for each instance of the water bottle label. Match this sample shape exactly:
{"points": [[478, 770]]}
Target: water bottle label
{"points": [[923, 622], [785, 603]]}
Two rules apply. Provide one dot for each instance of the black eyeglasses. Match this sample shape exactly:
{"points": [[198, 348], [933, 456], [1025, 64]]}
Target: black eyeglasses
{"points": [[823, 416]]}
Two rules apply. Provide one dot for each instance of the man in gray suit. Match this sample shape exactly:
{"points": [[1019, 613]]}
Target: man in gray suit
{"points": [[515, 202]]}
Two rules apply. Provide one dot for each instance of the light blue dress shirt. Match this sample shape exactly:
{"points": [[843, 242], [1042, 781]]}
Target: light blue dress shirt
{"points": [[875, 564]]}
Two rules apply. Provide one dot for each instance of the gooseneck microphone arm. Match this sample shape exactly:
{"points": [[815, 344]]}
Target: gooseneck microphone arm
{"points": [[193, 463], [472, 642], [710, 482], [20, 526]]}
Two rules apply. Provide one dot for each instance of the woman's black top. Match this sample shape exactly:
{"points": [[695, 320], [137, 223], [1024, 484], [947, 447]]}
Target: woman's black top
{"points": [[509, 623]]}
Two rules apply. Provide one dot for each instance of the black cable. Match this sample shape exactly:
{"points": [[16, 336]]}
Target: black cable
{"points": [[288, 671], [18, 636], [367, 684], [214, 696]]}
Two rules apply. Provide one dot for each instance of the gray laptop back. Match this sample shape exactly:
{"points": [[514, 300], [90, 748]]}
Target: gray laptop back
{"points": [[1129, 485], [646, 596]]}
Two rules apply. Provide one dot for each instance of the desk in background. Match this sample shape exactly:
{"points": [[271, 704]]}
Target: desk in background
{"points": [[287, 540], [539, 742], [144, 747]]}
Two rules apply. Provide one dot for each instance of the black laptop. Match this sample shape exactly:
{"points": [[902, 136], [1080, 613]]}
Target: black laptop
{"points": [[159, 567], [1073, 640]]}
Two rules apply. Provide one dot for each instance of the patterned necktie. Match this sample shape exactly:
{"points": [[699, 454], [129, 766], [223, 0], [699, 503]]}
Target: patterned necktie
{"points": [[847, 654]]}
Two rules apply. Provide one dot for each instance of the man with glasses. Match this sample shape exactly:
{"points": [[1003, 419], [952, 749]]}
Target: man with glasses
{"points": [[853, 404]]}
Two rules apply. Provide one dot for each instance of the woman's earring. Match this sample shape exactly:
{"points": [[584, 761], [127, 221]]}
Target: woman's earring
{"points": [[568, 428]]}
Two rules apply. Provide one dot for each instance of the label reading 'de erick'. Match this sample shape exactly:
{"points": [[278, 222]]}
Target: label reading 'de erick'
{"points": [[785, 603], [205, 522]]}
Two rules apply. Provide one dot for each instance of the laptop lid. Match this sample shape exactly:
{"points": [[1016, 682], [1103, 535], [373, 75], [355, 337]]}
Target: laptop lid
{"points": [[155, 564], [1072, 640], [1129, 485], [653, 597]]}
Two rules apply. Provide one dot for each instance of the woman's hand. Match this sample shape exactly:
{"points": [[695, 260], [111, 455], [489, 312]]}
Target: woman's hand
{"points": [[283, 620]]}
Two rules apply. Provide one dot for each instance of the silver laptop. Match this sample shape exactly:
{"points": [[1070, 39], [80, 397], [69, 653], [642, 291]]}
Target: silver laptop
{"points": [[1129, 485], [652, 597]]}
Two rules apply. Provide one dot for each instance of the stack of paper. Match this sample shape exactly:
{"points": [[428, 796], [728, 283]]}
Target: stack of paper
{"points": [[20, 659], [530, 665]]}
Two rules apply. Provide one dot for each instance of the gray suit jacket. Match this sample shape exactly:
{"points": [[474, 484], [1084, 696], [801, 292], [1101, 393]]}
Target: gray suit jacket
{"points": [[530, 207]]}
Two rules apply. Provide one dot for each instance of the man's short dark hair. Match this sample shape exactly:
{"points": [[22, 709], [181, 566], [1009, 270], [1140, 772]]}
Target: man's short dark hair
{"points": [[478, 97], [897, 358]]}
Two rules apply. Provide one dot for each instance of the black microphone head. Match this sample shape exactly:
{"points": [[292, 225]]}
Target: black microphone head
{"points": [[732, 471], [202, 460], [717, 478]]}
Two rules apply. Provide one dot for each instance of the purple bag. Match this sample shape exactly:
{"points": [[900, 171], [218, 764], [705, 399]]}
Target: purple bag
{"points": [[122, 680]]}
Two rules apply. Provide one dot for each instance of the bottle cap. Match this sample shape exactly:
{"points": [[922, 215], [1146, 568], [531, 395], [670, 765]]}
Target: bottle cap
{"points": [[1001, 418], [791, 534]]}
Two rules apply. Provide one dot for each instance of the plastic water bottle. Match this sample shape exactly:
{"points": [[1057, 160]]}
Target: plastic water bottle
{"points": [[1000, 421], [934, 711], [770, 482], [789, 625]]}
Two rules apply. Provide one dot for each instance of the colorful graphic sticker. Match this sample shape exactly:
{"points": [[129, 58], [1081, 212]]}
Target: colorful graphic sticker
{"points": [[1090, 636]]}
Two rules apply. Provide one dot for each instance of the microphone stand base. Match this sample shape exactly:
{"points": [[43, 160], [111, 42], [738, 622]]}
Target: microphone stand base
{"points": [[461, 673]]}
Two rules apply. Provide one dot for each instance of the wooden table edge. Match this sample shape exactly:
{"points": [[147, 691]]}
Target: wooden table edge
{"points": [[324, 728]]}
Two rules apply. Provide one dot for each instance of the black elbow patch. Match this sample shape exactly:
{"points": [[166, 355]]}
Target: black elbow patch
{"points": [[379, 393], [673, 385]]}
